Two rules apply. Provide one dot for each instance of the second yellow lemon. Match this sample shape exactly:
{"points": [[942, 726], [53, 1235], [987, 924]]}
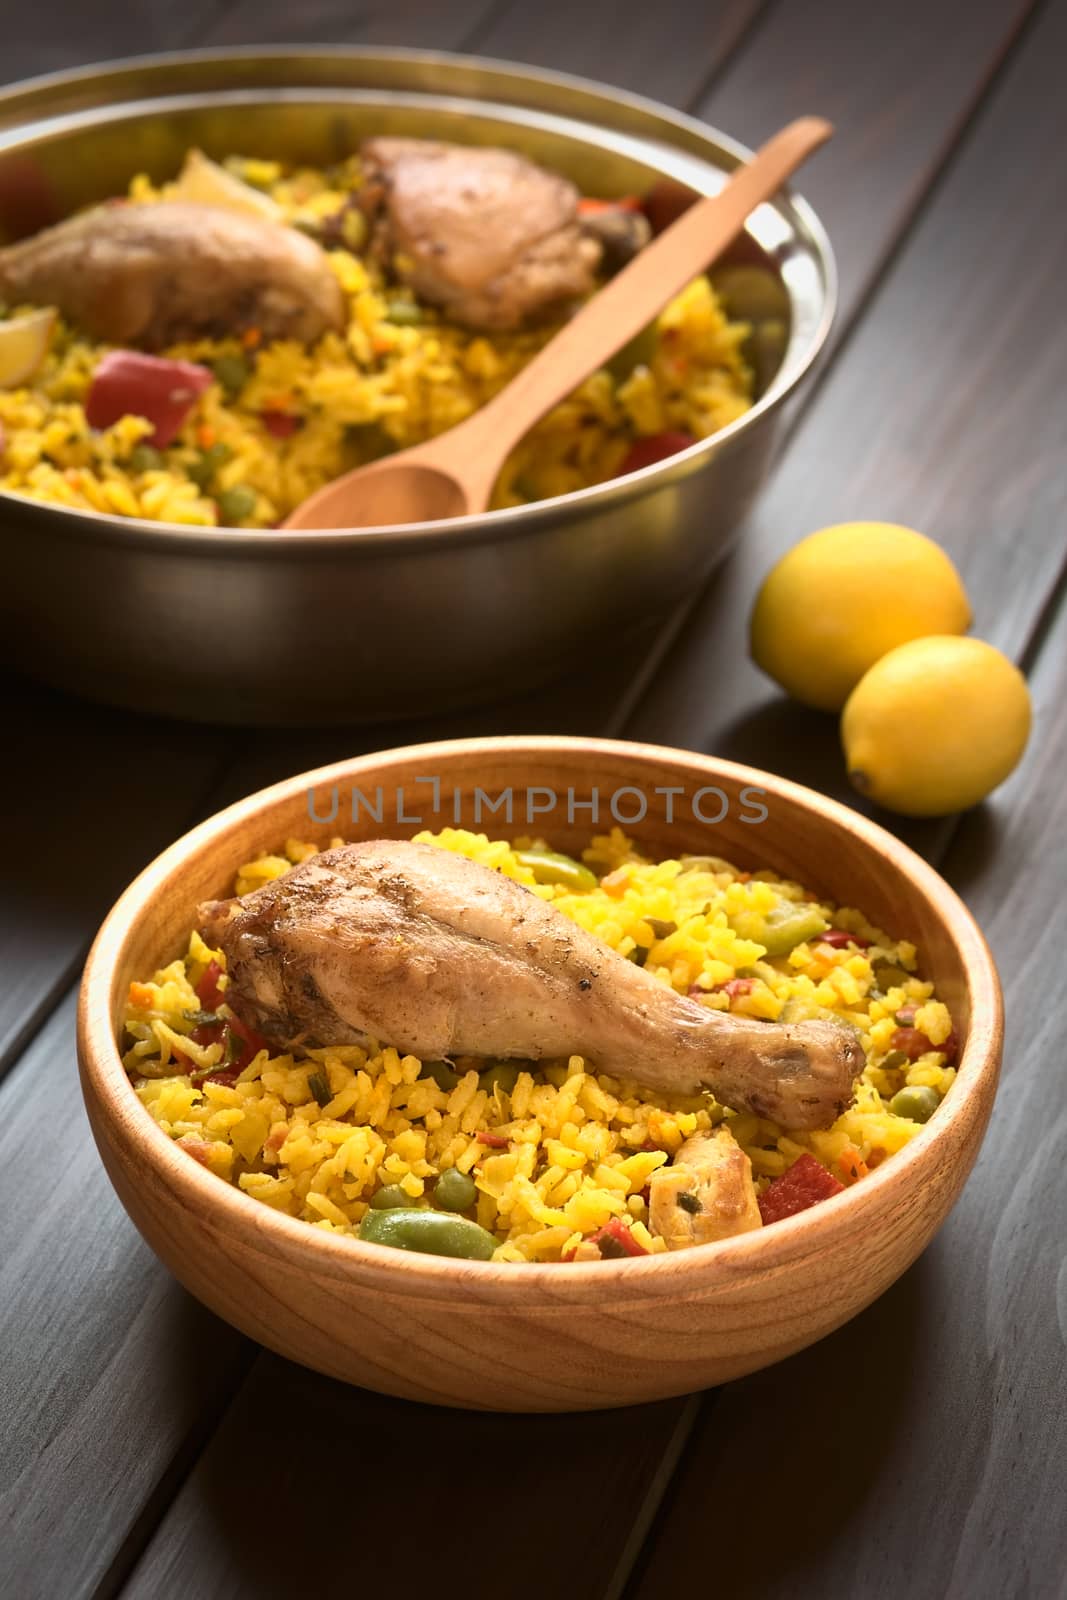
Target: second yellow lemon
{"points": [[845, 596], [936, 725]]}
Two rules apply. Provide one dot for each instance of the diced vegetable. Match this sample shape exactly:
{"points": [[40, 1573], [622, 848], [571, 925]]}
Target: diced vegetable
{"points": [[656, 447], [735, 987], [912, 1042], [614, 1241], [236, 504], [437, 1233], [454, 1191], [589, 206], [281, 424], [129, 384], [441, 1073], [145, 458], [918, 1103], [840, 939], [404, 313], [320, 1088], [636, 352], [504, 1075], [24, 344], [805, 1184], [495, 1141], [207, 990], [549, 866], [207, 463], [791, 925], [232, 372]]}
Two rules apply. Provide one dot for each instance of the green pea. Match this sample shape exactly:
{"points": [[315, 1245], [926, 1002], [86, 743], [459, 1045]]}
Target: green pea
{"points": [[435, 1233], [232, 372], [236, 504], [455, 1191], [790, 925], [918, 1104], [894, 1060], [207, 463], [441, 1073], [145, 458], [504, 1074], [549, 866], [404, 313], [389, 1197]]}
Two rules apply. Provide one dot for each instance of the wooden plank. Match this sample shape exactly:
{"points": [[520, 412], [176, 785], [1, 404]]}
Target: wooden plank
{"points": [[424, 24], [911, 427], [914, 1451], [575, 1484], [93, 796], [669, 51], [112, 1373], [40, 41]]}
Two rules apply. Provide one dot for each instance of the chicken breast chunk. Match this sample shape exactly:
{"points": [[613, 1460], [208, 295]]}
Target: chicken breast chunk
{"points": [[154, 275], [488, 236], [415, 946], [706, 1193]]}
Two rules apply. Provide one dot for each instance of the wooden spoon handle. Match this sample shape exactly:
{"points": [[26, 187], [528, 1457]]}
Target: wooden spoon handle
{"points": [[630, 301]]}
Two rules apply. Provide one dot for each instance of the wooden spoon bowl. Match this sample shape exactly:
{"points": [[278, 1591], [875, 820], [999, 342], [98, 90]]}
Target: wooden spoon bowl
{"points": [[544, 1337]]}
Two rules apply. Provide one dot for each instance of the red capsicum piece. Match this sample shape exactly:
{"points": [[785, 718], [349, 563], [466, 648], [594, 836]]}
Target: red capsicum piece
{"points": [[129, 384]]}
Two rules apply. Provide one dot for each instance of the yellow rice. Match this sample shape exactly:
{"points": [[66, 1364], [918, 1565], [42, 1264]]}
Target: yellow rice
{"points": [[576, 1139], [377, 386]]}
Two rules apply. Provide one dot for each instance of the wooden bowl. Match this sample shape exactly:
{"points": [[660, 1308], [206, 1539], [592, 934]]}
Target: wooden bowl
{"points": [[544, 1337]]}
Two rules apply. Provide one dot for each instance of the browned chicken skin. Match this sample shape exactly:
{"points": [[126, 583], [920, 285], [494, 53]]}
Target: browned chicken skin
{"points": [[706, 1193], [153, 275], [418, 947], [488, 236]]}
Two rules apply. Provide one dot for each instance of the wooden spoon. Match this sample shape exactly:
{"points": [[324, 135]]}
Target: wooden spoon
{"points": [[453, 474]]}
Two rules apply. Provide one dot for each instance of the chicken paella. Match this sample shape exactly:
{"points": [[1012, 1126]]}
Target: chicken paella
{"points": [[214, 349], [486, 1049]]}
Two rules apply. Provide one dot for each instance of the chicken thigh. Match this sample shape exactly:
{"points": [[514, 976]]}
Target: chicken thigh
{"points": [[153, 275]]}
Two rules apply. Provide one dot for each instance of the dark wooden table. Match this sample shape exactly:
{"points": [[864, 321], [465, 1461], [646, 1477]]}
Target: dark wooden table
{"points": [[150, 1450]]}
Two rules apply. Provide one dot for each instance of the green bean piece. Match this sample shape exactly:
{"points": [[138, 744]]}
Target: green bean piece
{"points": [[236, 504], [783, 929], [894, 1060], [917, 1103], [636, 352], [502, 1074], [404, 313], [455, 1191], [145, 458], [638, 955], [661, 929], [232, 372], [319, 1087], [441, 1073], [391, 1197], [550, 866], [435, 1233]]}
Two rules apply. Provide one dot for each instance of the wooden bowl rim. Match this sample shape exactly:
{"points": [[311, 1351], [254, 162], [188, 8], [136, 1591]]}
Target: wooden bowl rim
{"points": [[969, 1100]]}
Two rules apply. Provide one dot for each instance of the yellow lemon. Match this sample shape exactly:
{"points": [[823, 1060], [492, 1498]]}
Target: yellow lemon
{"points": [[935, 725], [843, 597]]}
